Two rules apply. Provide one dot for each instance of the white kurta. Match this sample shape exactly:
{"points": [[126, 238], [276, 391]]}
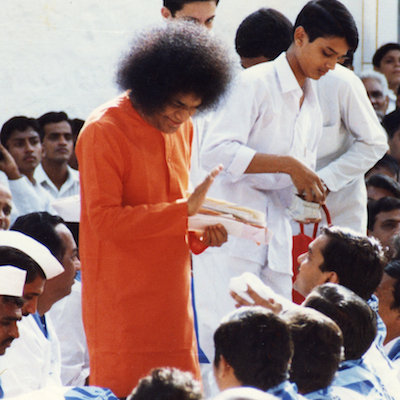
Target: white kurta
{"points": [[262, 114], [33, 361], [70, 187], [29, 197], [352, 142], [66, 316]]}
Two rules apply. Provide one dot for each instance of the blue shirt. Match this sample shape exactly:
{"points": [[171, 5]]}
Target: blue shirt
{"points": [[286, 391]]}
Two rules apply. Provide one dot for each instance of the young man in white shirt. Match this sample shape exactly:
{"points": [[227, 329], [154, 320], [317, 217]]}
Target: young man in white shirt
{"points": [[266, 137], [54, 173], [21, 154]]}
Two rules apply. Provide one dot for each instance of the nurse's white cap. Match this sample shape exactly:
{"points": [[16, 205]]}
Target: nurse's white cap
{"points": [[12, 281], [37, 251]]}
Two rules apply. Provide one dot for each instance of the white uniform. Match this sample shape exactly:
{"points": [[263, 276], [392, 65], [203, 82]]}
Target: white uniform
{"points": [[352, 142], [33, 361], [262, 114], [66, 316], [69, 188], [29, 197]]}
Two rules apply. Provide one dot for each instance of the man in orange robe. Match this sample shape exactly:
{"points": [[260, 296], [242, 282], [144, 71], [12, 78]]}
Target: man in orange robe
{"points": [[134, 155]]}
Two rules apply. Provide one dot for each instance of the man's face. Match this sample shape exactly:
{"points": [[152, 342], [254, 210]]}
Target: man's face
{"points": [[61, 284], [10, 313], [26, 149], [201, 12], [175, 113], [387, 224], [58, 142], [316, 58], [390, 67], [375, 193], [378, 100], [310, 275], [31, 293], [394, 146], [391, 317], [5, 207]]}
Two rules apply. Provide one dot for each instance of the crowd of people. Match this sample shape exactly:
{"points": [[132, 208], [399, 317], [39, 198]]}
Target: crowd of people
{"points": [[161, 311]]}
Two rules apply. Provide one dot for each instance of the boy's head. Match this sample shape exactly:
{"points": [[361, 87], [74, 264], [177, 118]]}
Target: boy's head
{"points": [[252, 348], [262, 36], [324, 33], [328, 19], [199, 11]]}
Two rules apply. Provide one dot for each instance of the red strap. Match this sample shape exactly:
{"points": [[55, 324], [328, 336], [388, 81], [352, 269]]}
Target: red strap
{"points": [[328, 221]]}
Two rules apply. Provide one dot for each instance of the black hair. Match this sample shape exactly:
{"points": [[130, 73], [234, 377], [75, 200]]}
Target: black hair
{"points": [[41, 226], [177, 5], [382, 51], [16, 258], [20, 124], [266, 32], [176, 58], [256, 344], [354, 316], [393, 270], [328, 18], [50, 118], [391, 123], [318, 344], [385, 182], [387, 162], [167, 384], [357, 260], [384, 204]]}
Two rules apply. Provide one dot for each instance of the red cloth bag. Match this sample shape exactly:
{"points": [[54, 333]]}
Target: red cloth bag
{"points": [[300, 246]]}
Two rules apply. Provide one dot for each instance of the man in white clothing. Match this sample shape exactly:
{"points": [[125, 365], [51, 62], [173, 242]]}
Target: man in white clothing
{"points": [[34, 360], [21, 153], [266, 137], [54, 173]]}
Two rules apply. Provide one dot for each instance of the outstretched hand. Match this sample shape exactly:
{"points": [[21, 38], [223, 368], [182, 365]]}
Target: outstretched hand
{"points": [[197, 198]]}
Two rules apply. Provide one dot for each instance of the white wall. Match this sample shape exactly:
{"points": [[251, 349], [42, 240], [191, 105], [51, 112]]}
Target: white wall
{"points": [[62, 54]]}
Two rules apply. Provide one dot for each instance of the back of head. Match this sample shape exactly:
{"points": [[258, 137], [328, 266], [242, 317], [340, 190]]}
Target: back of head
{"points": [[328, 18], [385, 182], [384, 204], [357, 260], [50, 118], [167, 384], [256, 344], [391, 123], [175, 58], [16, 258], [177, 5], [265, 32], [318, 346], [20, 124], [393, 270], [41, 226], [382, 51], [353, 315], [388, 164]]}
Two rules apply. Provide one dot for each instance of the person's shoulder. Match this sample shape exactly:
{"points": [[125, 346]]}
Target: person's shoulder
{"points": [[340, 75]]}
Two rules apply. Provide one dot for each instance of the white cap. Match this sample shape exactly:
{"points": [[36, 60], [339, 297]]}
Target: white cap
{"points": [[37, 251], [12, 281]]}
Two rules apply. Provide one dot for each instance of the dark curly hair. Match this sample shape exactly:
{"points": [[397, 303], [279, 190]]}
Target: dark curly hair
{"points": [[176, 58], [167, 384]]}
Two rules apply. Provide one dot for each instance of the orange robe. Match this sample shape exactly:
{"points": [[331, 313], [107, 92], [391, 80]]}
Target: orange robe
{"points": [[133, 245]]}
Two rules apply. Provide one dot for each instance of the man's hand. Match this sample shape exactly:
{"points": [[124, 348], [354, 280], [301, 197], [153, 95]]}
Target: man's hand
{"points": [[197, 198], [307, 182], [271, 304], [8, 164], [214, 236]]}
